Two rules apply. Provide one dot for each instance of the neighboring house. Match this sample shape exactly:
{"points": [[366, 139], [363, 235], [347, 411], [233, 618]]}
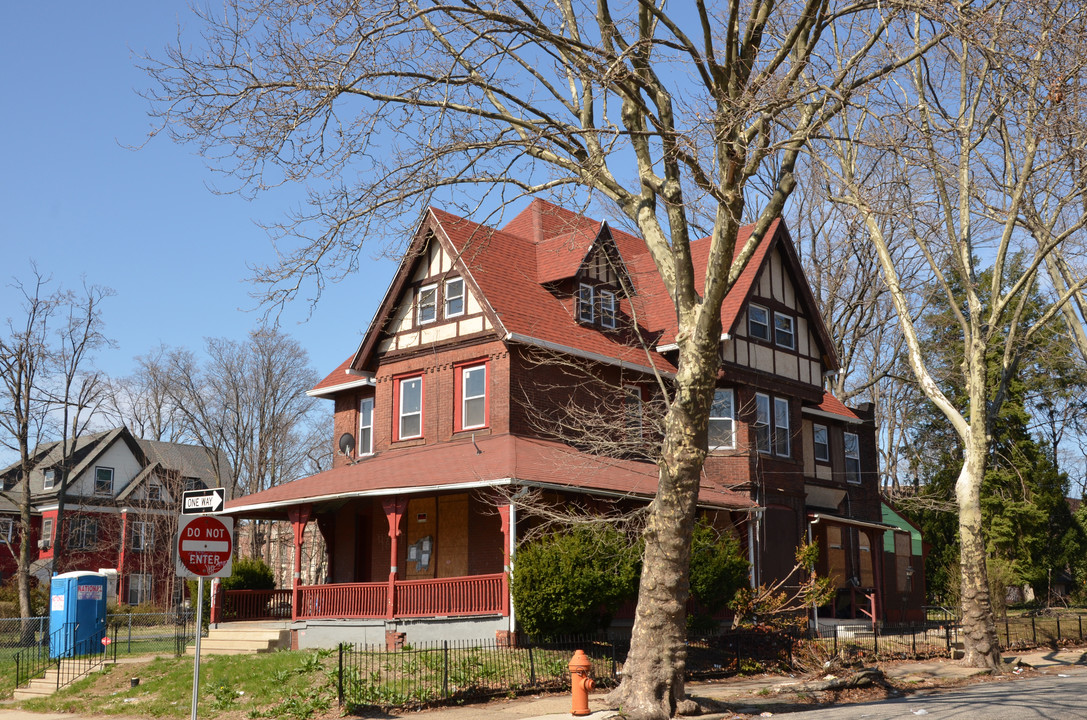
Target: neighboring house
{"points": [[489, 339], [121, 508]]}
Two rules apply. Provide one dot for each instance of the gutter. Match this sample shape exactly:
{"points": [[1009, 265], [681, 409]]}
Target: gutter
{"points": [[831, 416], [364, 380], [596, 357], [672, 347]]}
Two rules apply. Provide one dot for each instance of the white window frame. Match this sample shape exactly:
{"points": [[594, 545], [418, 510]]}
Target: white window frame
{"points": [[103, 492], [465, 398], [451, 296], [783, 441], [145, 532], [402, 415], [50, 480], [428, 304], [366, 426], [607, 309], [585, 303], [47, 531], [761, 426], [717, 417], [143, 584], [7, 525], [752, 323], [852, 456], [825, 445], [79, 535], [781, 333], [156, 487]]}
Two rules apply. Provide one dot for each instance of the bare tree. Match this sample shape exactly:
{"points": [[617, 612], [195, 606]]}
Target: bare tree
{"points": [[381, 106], [249, 403], [47, 391], [972, 145], [142, 401]]}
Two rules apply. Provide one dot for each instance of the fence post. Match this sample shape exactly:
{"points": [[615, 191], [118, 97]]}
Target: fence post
{"points": [[445, 669], [738, 666], [614, 664], [835, 638], [1033, 631], [1080, 619], [947, 637], [130, 632], [1058, 628], [875, 639], [339, 679], [531, 665], [114, 644], [913, 640], [1007, 633]]}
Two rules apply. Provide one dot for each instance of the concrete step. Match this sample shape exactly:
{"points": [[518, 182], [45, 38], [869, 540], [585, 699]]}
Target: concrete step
{"points": [[270, 634], [244, 639]]}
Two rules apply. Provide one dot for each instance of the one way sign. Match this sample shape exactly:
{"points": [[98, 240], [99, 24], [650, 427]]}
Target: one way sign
{"points": [[198, 502]]}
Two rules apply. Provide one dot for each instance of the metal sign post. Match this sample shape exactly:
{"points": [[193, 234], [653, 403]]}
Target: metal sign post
{"points": [[205, 548]]}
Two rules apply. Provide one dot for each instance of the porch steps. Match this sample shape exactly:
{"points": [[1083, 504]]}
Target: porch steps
{"points": [[47, 684], [244, 638]]}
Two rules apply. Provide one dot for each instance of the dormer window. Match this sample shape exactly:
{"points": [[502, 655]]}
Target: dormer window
{"points": [[758, 322], [454, 297], [784, 335], [428, 304], [607, 309], [50, 478], [585, 303]]}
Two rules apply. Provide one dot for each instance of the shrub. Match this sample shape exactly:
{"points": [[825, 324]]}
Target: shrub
{"points": [[573, 582], [247, 574], [718, 570]]}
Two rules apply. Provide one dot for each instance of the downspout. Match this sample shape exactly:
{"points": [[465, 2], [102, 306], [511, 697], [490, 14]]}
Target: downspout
{"points": [[509, 568], [121, 582], [814, 606]]}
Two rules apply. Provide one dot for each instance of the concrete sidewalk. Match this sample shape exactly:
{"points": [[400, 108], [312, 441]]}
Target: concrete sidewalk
{"points": [[744, 696]]}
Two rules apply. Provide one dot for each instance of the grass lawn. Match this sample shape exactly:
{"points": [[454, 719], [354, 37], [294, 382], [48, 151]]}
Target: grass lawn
{"points": [[232, 687]]}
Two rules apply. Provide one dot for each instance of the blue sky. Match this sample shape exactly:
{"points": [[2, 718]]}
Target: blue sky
{"points": [[77, 200]]}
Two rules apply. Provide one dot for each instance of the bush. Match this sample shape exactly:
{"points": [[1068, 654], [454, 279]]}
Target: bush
{"points": [[573, 582], [9, 598], [247, 574], [718, 570]]}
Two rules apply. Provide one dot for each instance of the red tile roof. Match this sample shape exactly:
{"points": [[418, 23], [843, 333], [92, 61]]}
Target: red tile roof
{"points": [[834, 406], [502, 459]]}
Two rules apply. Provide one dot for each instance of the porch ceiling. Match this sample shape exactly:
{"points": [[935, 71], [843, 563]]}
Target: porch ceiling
{"points": [[500, 460]]}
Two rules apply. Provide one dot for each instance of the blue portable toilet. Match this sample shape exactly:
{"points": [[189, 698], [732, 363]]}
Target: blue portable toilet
{"points": [[77, 613]]}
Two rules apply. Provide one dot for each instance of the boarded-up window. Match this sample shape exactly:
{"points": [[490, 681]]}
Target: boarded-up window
{"points": [[864, 547], [836, 570], [903, 554]]}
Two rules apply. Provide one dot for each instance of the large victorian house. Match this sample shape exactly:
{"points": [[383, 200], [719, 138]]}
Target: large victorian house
{"points": [[529, 358]]}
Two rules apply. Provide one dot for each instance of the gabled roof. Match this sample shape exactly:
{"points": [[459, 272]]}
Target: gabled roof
{"points": [[500, 460], [510, 270]]}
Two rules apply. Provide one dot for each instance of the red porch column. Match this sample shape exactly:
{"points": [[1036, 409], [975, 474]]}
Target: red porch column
{"points": [[394, 510], [504, 514], [299, 516]]}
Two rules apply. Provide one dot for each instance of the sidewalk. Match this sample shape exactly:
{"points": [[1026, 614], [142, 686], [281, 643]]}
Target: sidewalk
{"points": [[744, 696]]}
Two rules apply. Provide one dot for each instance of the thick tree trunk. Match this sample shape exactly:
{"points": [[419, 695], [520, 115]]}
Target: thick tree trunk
{"points": [[652, 686]]}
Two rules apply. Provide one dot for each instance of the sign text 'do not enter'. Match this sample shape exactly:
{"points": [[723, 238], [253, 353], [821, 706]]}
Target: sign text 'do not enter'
{"points": [[205, 545]]}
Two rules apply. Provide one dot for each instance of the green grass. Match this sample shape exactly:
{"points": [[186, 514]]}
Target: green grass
{"points": [[276, 685]]}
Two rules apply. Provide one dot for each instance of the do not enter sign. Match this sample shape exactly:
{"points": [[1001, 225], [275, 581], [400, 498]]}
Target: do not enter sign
{"points": [[205, 545]]}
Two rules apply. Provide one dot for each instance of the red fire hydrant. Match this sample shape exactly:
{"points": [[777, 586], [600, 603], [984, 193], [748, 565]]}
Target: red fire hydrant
{"points": [[581, 682]]}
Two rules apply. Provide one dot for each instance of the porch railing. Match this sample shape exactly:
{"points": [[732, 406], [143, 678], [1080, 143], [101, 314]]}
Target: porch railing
{"points": [[471, 595]]}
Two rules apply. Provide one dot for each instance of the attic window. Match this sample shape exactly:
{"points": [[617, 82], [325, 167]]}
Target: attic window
{"points": [[784, 334], [607, 309], [154, 491], [585, 303], [454, 297], [50, 478], [428, 304], [758, 322]]}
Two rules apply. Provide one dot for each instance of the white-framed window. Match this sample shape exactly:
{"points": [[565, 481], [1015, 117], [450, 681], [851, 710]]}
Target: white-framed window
{"points": [[473, 397], [722, 420], [410, 420], [6, 526], [428, 304], [852, 447], [366, 426], [782, 433], [758, 322], [83, 533], [103, 481], [47, 531], [632, 410], [784, 334], [50, 479], [142, 535], [454, 297], [139, 589], [154, 491], [191, 483], [821, 436], [762, 422], [607, 308], [585, 303]]}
